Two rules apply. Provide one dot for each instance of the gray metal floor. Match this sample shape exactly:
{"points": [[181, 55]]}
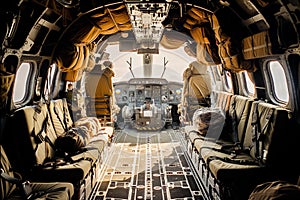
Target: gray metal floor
{"points": [[147, 165]]}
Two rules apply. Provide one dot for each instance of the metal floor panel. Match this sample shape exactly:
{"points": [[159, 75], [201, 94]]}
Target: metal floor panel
{"points": [[147, 165]]}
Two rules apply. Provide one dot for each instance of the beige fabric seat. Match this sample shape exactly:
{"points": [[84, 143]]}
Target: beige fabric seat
{"points": [[10, 190], [32, 149], [238, 114], [262, 157]]}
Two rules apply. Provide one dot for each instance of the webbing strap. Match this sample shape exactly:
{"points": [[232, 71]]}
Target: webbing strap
{"points": [[42, 136], [261, 137], [63, 123], [258, 133], [66, 112], [37, 110], [24, 186], [255, 130], [9, 178], [234, 119]]}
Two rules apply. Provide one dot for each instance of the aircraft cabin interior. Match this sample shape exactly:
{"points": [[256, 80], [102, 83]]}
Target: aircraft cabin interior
{"points": [[150, 99]]}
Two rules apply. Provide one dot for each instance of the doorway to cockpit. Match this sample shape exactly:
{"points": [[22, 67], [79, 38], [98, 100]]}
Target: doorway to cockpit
{"points": [[148, 104]]}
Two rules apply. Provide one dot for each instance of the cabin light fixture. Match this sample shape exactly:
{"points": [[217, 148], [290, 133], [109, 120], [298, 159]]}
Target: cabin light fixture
{"points": [[224, 3], [68, 3]]}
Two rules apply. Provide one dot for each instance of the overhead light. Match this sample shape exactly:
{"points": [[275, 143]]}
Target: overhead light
{"points": [[224, 3], [68, 3]]}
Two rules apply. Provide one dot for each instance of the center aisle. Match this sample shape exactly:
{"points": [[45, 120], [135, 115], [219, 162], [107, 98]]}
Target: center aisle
{"points": [[147, 165]]}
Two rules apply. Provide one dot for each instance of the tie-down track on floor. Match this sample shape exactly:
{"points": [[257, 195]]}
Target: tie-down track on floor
{"points": [[147, 165]]}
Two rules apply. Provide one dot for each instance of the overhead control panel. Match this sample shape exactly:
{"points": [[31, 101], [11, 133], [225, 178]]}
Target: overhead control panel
{"points": [[146, 19]]}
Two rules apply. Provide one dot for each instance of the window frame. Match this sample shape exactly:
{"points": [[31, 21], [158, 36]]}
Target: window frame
{"points": [[270, 83], [228, 87], [29, 82], [243, 84]]}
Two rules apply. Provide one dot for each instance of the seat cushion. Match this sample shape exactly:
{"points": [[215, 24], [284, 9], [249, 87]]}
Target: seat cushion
{"points": [[5, 186], [277, 190], [54, 190], [63, 170], [236, 165]]}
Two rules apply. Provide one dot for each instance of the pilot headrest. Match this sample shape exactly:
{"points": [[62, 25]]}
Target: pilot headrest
{"points": [[107, 63], [147, 99], [108, 72], [187, 73]]}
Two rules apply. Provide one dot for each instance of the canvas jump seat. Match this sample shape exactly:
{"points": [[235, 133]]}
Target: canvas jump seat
{"points": [[14, 187], [260, 149], [237, 110], [30, 142]]}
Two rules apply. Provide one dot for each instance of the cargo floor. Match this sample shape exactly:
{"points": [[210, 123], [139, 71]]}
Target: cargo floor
{"points": [[147, 165]]}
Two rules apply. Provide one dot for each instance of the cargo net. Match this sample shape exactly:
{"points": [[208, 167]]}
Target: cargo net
{"points": [[209, 121]]}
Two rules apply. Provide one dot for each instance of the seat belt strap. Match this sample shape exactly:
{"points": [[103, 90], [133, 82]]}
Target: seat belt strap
{"points": [[255, 130], [261, 138]]}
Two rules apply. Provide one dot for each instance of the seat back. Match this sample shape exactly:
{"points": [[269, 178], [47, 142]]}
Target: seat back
{"points": [[60, 116], [269, 144], [5, 187], [42, 190], [199, 88], [222, 100], [30, 125], [238, 115]]}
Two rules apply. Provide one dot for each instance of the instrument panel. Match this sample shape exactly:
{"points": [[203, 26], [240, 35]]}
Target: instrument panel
{"points": [[135, 91]]}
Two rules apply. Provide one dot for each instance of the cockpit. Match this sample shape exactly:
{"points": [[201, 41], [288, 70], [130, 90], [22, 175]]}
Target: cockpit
{"points": [[160, 94]]}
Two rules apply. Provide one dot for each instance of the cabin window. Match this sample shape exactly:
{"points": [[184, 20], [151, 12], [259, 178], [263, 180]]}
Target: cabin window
{"points": [[247, 84], [227, 81], [23, 83], [216, 77], [278, 81]]}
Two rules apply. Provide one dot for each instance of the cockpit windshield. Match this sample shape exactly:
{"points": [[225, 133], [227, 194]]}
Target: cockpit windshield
{"points": [[168, 63]]}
